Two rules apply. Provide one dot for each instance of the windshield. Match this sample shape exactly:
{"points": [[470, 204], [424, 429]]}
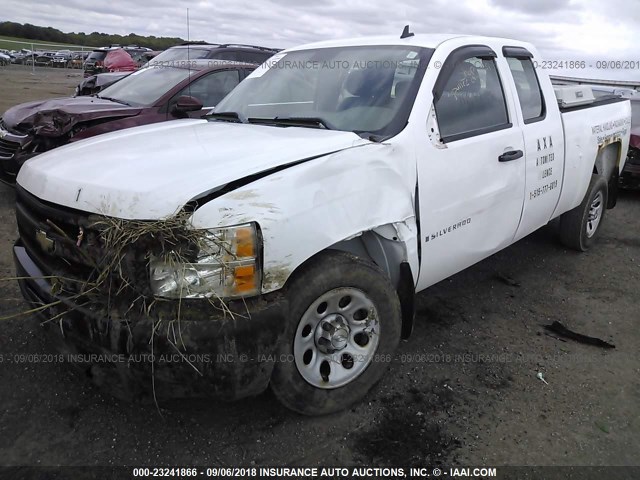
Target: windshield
{"points": [[144, 87], [366, 90], [175, 56]]}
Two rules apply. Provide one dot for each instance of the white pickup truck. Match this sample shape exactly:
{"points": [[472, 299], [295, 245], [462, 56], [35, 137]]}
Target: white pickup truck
{"points": [[341, 177]]}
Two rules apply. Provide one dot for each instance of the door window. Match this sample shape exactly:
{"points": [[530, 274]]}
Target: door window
{"points": [[212, 88], [472, 101], [528, 88]]}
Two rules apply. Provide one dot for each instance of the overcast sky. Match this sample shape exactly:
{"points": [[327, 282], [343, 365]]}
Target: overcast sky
{"points": [[588, 30]]}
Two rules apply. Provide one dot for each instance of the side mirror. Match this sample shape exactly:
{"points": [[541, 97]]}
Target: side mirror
{"points": [[186, 104]]}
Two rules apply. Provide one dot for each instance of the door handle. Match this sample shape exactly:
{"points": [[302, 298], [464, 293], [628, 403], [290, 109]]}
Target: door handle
{"points": [[510, 155]]}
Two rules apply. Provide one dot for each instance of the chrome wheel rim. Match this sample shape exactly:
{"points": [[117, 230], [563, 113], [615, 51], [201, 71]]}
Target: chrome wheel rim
{"points": [[336, 338], [595, 214]]}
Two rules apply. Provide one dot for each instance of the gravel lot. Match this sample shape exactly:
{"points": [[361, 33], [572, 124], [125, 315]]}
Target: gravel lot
{"points": [[462, 390]]}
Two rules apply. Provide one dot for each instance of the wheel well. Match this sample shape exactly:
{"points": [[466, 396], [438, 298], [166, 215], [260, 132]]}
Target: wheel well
{"points": [[390, 256], [607, 164], [607, 160]]}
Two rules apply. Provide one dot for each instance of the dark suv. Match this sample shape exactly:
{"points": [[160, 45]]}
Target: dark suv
{"points": [[228, 51]]}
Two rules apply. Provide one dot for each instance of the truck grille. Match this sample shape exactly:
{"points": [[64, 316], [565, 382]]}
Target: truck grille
{"points": [[48, 233]]}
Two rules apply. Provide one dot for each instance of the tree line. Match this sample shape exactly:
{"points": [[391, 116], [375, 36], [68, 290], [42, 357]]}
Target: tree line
{"points": [[94, 39]]}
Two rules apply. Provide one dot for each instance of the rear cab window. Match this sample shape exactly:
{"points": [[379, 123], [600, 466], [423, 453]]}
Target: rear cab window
{"points": [[527, 84], [469, 97]]}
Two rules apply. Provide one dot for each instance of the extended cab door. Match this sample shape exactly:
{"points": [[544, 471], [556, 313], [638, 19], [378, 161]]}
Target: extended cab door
{"points": [[543, 138], [471, 172]]}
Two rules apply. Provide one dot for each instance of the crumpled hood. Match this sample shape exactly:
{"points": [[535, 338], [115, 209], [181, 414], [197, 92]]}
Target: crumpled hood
{"points": [[55, 117], [152, 171]]}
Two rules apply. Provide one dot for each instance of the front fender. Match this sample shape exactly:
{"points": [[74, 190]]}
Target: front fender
{"points": [[309, 207]]}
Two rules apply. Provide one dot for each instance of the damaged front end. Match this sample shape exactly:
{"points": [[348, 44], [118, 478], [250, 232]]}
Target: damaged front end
{"points": [[17, 148], [90, 279], [29, 129], [12, 146]]}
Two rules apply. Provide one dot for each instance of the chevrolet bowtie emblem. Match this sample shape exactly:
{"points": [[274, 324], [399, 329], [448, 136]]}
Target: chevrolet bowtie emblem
{"points": [[45, 242]]}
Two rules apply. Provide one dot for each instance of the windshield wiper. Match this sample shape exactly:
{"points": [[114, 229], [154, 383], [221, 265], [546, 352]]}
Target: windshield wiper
{"points": [[226, 116], [114, 100], [316, 122]]}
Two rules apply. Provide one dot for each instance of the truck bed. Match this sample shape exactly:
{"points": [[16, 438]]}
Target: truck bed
{"points": [[603, 100]]}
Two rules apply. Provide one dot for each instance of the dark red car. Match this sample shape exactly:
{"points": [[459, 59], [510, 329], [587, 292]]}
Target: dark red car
{"points": [[150, 95]]}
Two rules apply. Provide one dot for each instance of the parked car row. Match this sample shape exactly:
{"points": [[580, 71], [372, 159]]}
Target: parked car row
{"points": [[60, 58], [74, 58]]}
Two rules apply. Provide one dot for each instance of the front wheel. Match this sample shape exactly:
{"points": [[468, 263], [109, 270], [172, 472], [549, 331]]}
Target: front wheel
{"points": [[578, 227], [343, 328]]}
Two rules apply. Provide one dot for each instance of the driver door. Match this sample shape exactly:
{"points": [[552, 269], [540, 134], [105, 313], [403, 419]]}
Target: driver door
{"points": [[471, 169]]}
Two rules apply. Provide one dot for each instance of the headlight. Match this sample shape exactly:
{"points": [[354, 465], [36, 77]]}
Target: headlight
{"points": [[227, 266]]}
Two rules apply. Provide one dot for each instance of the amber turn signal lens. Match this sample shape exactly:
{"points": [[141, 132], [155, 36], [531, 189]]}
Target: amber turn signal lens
{"points": [[245, 279], [244, 243]]}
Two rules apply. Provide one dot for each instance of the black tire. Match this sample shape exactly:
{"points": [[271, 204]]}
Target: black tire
{"points": [[327, 272], [575, 224]]}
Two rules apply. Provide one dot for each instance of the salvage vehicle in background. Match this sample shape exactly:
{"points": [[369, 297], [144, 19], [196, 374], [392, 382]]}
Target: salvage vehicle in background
{"points": [[95, 83], [61, 58], [181, 55], [40, 59], [22, 56], [285, 238], [109, 59], [7, 57], [150, 95], [233, 52], [78, 59]]}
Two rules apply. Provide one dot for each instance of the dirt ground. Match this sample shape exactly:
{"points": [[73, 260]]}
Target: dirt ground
{"points": [[462, 390]]}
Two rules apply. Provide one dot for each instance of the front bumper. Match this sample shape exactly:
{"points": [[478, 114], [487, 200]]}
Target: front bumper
{"points": [[200, 353]]}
